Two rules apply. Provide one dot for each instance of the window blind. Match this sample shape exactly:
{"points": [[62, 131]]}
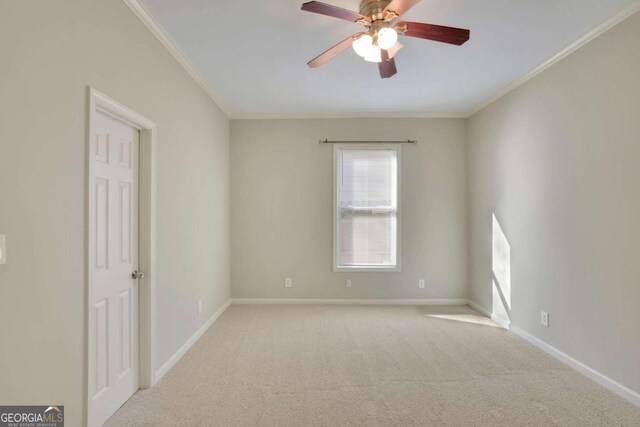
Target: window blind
{"points": [[366, 191]]}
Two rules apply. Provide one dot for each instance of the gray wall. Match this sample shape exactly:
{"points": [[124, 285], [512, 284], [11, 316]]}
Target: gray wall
{"points": [[558, 162], [282, 187], [50, 51]]}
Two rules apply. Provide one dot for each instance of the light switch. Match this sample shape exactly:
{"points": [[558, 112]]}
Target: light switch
{"points": [[3, 250]]}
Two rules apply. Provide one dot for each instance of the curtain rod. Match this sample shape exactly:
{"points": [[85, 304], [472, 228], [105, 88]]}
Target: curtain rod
{"points": [[408, 141]]}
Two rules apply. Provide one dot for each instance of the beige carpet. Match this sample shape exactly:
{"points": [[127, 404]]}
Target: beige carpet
{"points": [[373, 366]]}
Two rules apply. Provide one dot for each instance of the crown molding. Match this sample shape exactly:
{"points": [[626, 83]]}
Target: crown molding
{"points": [[269, 116], [141, 12], [594, 33]]}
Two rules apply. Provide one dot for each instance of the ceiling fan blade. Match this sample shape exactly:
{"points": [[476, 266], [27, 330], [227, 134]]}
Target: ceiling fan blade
{"points": [[439, 33], [332, 51], [333, 11], [400, 6], [387, 67]]}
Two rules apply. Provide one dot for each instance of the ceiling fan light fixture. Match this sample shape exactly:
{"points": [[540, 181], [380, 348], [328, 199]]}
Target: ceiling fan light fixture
{"points": [[387, 38], [363, 45], [374, 54]]}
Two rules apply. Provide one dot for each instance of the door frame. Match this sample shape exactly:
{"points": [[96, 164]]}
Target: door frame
{"points": [[101, 103]]}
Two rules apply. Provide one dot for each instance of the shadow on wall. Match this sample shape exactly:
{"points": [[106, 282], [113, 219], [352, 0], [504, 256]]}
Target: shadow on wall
{"points": [[501, 274]]}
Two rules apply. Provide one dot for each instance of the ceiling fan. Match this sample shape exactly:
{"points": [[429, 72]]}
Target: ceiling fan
{"points": [[379, 43]]}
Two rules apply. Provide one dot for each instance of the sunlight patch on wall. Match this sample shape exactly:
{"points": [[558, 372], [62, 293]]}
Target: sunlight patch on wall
{"points": [[501, 269]]}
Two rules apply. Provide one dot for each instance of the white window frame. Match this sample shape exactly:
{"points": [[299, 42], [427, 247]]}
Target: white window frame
{"points": [[336, 237]]}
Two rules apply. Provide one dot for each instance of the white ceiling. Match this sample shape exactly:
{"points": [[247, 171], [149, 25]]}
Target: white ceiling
{"points": [[253, 53]]}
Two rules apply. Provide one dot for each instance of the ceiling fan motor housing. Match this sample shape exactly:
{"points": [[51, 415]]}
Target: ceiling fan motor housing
{"points": [[373, 8]]}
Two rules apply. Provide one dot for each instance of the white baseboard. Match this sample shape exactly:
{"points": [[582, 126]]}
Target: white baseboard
{"points": [[505, 323], [596, 376], [452, 301], [190, 342]]}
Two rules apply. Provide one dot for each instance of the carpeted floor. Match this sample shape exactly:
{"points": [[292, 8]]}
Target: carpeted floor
{"points": [[369, 365]]}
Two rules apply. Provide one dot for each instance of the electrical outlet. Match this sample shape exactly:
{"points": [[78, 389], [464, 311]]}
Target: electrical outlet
{"points": [[200, 306], [288, 282], [421, 283], [348, 283], [3, 249], [544, 318]]}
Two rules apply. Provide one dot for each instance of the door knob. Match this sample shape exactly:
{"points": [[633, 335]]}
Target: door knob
{"points": [[135, 274]]}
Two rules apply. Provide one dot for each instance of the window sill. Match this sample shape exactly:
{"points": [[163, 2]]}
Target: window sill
{"points": [[393, 269]]}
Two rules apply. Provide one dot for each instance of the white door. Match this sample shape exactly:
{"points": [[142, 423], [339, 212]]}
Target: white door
{"points": [[113, 252]]}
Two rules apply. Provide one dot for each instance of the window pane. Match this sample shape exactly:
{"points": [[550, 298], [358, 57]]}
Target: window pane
{"points": [[367, 239], [368, 178], [367, 203]]}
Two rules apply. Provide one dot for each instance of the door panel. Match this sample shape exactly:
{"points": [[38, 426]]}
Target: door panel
{"points": [[113, 225], [102, 358]]}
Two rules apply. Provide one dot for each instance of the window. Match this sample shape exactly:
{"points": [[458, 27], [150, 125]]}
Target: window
{"points": [[366, 213]]}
